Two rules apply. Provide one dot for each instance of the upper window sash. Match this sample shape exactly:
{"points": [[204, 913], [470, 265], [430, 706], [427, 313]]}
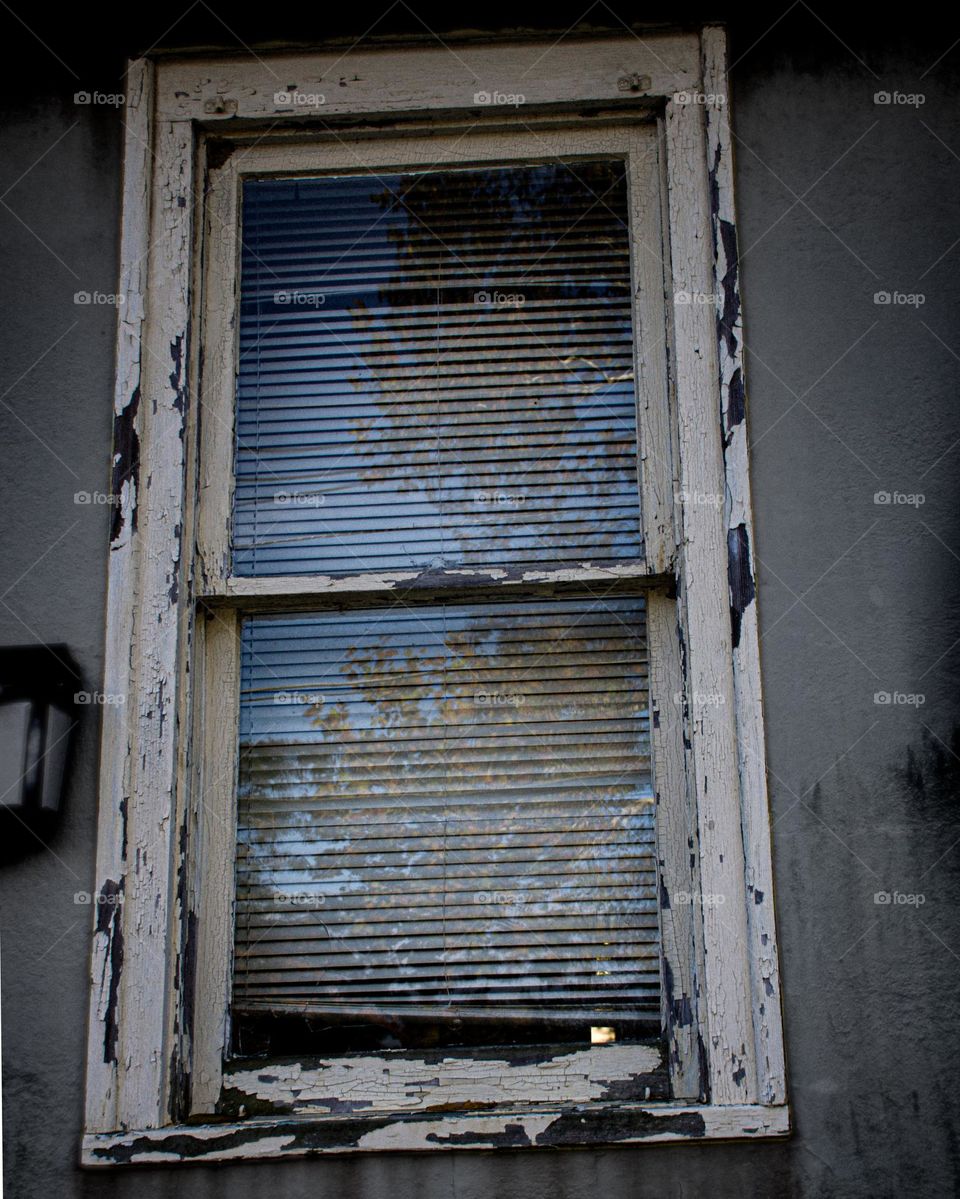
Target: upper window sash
{"points": [[636, 146]]}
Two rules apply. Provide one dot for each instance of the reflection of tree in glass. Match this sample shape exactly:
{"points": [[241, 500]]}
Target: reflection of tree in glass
{"points": [[497, 349], [492, 754], [484, 712]]}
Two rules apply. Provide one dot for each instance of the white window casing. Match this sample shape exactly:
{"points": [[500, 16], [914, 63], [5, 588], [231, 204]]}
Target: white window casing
{"points": [[158, 1088]]}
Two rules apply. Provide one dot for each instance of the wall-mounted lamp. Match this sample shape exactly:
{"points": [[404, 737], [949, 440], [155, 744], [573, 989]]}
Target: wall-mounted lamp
{"points": [[38, 706]]}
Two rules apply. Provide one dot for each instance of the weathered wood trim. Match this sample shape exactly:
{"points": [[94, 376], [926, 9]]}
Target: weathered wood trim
{"points": [[423, 79], [380, 151], [216, 415], [548, 1128], [655, 458], [164, 601], [159, 970], [704, 614], [454, 1080], [132, 1010], [119, 679], [768, 1020], [681, 929], [187, 867], [296, 590], [213, 851]]}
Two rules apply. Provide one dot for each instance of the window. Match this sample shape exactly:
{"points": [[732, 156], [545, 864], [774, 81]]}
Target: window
{"points": [[436, 375], [443, 823]]}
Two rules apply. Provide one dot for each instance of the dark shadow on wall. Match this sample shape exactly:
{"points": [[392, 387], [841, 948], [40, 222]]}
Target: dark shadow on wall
{"points": [[74, 48]]}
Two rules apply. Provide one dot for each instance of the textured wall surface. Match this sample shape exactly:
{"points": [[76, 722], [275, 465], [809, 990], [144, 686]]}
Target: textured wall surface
{"points": [[839, 198]]}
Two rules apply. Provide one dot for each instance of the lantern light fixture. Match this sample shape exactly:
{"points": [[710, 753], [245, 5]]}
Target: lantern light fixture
{"points": [[40, 691]]}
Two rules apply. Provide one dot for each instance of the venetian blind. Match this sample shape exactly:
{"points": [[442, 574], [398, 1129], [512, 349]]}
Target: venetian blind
{"points": [[436, 369], [448, 809]]}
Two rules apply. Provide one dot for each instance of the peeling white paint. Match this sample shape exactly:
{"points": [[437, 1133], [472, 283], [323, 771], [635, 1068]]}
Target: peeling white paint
{"points": [[388, 1082], [630, 1125], [758, 866]]}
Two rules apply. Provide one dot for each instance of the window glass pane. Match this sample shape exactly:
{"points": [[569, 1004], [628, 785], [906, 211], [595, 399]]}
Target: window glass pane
{"points": [[446, 813], [436, 369]]}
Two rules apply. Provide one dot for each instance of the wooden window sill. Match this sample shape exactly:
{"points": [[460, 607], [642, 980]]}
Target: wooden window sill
{"points": [[525, 1127]]}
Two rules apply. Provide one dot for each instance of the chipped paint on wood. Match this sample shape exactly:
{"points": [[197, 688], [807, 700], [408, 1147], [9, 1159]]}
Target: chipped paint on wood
{"points": [[655, 416], [678, 858], [212, 867], [126, 467], [420, 79], [704, 618], [300, 589], [595, 1124], [739, 578], [219, 338], [762, 940], [138, 845], [151, 911], [110, 928], [105, 1025], [138, 1018], [403, 1082]]}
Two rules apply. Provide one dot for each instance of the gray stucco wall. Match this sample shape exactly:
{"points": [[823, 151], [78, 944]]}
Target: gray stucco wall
{"points": [[846, 398]]}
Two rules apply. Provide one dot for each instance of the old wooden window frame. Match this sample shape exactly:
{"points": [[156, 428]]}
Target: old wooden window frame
{"points": [[157, 1027]]}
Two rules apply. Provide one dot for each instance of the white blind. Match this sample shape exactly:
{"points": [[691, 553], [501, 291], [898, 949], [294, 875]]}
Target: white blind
{"points": [[448, 809], [436, 369]]}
